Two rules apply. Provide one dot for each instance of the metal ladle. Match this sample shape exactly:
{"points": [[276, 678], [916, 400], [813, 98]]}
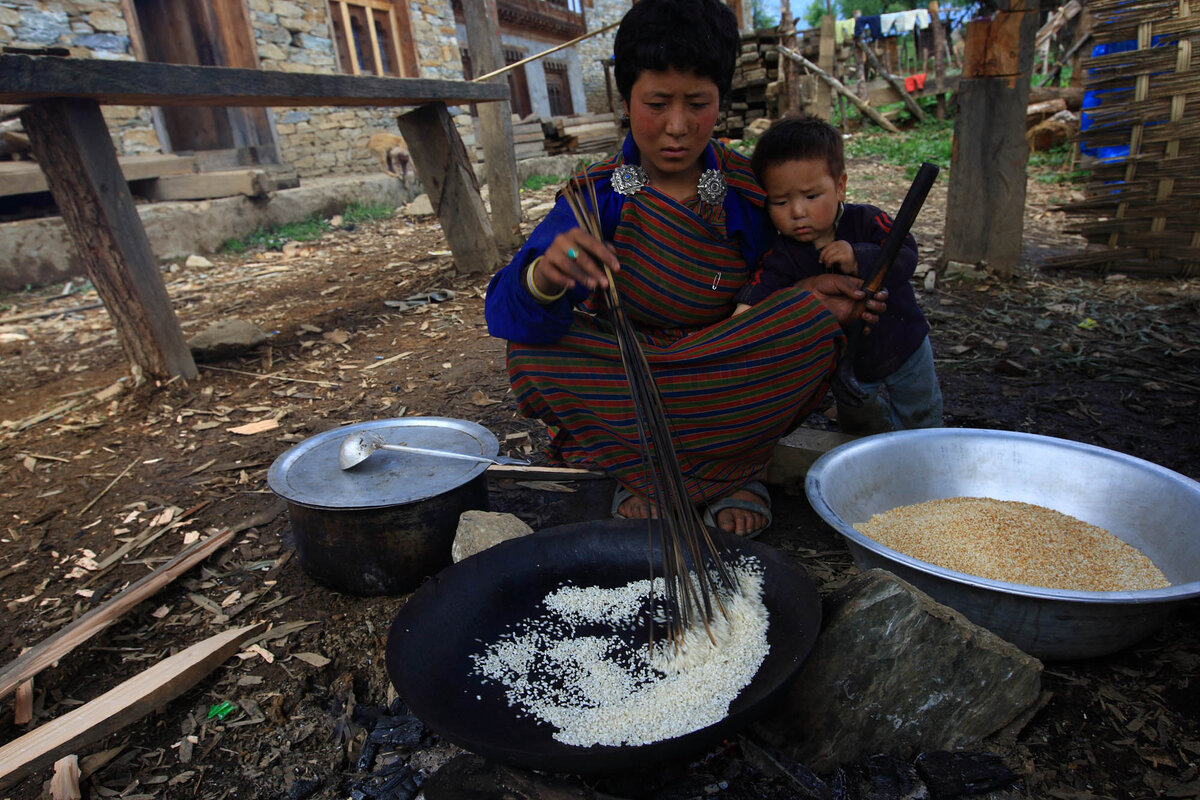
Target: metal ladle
{"points": [[357, 447]]}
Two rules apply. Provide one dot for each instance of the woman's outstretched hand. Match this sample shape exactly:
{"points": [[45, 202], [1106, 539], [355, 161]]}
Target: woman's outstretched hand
{"points": [[574, 257], [839, 294]]}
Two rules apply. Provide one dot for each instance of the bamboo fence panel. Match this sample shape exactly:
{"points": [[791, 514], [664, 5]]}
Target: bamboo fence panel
{"points": [[1142, 211]]}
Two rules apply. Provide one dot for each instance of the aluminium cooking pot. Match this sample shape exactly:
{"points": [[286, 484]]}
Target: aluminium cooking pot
{"points": [[455, 613], [383, 526]]}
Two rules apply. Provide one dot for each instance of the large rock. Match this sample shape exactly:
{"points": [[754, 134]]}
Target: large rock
{"points": [[895, 671], [226, 338], [479, 530]]}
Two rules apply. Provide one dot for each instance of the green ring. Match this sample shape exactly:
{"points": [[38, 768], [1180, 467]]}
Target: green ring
{"points": [[572, 254]]}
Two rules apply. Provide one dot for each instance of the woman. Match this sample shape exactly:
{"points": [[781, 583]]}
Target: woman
{"points": [[685, 224]]}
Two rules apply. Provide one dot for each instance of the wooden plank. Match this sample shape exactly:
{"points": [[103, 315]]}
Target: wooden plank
{"points": [[204, 185], [892, 81], [44, 653], [880, 94], [71, 141], [495, 124], [441, 160], [137, 83], [837, 86], [118, 707], [23, 177]]}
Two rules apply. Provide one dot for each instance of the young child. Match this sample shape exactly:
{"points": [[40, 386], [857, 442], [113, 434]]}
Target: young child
{"points": [[800, 163]]}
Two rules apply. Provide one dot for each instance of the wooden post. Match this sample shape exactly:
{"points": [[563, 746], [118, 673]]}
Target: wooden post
{"points": [[793, 101], [939, 56], [495, 124], [985, 201], [74, 149], [441, 160], [825, 53]]}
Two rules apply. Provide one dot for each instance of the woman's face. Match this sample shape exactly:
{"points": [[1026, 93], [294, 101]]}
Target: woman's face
{"points": [[672, 115]]}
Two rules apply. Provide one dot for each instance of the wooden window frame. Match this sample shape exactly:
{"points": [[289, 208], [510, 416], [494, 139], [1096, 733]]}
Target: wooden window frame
{"points": [[390, 54]]}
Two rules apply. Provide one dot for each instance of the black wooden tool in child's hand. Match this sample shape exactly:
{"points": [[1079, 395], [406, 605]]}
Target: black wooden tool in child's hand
{"points": [[845, 385]]}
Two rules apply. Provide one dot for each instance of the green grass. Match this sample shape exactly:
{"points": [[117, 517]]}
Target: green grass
{"points": [[929, 142], [535, 182], [1054, 166], [368, 212], [275, 238], [305, 230]]}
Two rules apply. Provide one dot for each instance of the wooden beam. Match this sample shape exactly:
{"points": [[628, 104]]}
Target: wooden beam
{"points": [[441, 161], [44, 653], [495, 125], [118, 707], [939, 55], [837, 86], [24, 177], [139, 83], [74, 148], [227, 183]]}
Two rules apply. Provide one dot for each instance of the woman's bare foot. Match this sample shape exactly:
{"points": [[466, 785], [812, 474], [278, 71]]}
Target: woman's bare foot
{"points": [[634, 508], [739, 520]]}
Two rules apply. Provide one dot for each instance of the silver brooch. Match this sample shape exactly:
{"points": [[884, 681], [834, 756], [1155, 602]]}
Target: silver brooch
{"points": [[629, 179], [712, 187]]}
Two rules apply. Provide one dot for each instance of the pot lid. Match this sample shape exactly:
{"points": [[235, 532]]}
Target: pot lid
{"points": [[308, 473]]}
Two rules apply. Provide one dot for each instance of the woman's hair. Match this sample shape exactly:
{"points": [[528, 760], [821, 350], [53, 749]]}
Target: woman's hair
{"points": [[799, 139], [700, 36]]}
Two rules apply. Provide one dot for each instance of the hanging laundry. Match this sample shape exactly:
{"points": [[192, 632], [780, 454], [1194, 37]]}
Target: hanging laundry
{"points": [[888, 22], [843, 29], [867, 24], [923, 18], [914, 82]]}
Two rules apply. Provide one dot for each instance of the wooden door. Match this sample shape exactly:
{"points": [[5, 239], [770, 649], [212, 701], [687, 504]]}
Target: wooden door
{"points": [[518, 85], [558, 89], [203, 33]]}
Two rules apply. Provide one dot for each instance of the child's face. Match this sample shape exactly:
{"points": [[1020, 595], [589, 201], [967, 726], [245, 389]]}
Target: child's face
{"points": [[802, 199]]}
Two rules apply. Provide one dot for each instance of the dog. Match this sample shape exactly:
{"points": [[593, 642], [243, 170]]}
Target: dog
{"points": [[392, 154]]}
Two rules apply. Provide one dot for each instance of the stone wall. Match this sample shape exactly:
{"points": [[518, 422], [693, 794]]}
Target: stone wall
{"points": [[290, 36], [599, 48]]}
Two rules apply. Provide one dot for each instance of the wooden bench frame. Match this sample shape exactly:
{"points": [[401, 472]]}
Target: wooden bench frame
{"points": [[74, 149]]}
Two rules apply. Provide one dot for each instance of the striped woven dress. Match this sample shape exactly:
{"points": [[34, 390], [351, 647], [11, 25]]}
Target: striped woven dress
{"points": [[732, 386]]}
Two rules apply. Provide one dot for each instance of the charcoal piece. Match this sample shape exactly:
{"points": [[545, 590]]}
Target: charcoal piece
{"points": [[841, 787], [884, 777], [366, 759], [961, 774], [304, 788], [397, 732]]}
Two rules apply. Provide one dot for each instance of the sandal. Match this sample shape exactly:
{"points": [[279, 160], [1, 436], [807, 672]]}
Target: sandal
{"points": [[764, 508], [620, 496]]}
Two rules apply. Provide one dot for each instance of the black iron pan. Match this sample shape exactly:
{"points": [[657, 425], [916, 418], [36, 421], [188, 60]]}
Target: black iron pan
{"points": [[463, 607]]}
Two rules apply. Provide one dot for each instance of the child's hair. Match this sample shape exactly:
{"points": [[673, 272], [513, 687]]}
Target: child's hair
{"points": [[700, 36], [799, 139]]}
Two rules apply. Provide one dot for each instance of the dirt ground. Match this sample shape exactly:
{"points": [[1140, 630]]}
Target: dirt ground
{"points": [[92, 467]]}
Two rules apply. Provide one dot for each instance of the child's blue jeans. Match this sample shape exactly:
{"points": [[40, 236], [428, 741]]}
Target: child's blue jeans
{"points": [[908, 398]]}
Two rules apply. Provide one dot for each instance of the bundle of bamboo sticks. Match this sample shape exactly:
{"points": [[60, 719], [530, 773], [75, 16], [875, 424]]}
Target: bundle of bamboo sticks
{"points": [[693, 593]]}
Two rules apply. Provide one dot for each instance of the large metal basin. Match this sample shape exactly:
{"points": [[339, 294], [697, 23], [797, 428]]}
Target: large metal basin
{"points": [[1145, 505]]}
